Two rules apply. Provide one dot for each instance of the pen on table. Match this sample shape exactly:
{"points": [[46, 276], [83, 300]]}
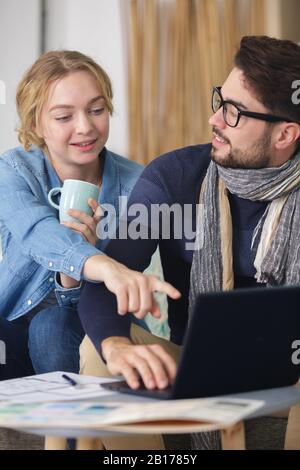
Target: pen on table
{"points": [[69, 380]]}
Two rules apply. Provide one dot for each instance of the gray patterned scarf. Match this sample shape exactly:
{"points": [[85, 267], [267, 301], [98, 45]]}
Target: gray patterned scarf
{"points": [[275, 242]]}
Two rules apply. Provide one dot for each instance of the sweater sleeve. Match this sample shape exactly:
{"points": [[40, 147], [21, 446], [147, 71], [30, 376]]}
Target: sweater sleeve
{"points": [[98, 307]]}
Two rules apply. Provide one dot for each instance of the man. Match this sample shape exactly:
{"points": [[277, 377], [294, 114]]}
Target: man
{"points": [[247, 183]]}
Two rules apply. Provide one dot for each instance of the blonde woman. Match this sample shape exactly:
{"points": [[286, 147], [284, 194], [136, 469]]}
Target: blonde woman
{"points": [[64, 103]]}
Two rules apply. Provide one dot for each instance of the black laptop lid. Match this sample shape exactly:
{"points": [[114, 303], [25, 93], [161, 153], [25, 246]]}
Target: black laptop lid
{"points": [[239, 341]]}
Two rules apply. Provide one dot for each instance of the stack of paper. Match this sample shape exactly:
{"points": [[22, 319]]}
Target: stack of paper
{"points": [[67, 406], [52, 387]]}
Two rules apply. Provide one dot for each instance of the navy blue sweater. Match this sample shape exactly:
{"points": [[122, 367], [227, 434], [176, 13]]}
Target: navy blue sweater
{"points": [[174, 178]]}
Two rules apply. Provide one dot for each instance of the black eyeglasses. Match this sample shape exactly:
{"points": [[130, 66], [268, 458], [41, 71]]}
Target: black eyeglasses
{"points": [[232, 114]]}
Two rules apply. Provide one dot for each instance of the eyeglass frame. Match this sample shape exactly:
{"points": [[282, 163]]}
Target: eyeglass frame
{"points": [[251, 114]]}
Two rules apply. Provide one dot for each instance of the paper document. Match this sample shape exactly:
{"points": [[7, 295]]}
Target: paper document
{"points": [[52, 387], [97, 415], [64, 400]]}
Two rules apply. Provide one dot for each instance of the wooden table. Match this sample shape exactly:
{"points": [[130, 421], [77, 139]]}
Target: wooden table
{"points": [[232, 437]]}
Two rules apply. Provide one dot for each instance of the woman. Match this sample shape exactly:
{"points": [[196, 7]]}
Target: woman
{"points": [[64, 102]]}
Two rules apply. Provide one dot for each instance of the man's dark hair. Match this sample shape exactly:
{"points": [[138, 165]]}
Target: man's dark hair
{"points": [[270, 67]]}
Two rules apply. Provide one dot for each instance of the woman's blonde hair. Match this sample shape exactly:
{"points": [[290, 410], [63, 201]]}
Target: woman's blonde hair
{"points": [[33, 90]]}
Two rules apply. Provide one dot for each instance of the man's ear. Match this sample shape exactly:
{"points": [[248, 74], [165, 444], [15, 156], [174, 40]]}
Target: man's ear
{"points": [[287, 134]]}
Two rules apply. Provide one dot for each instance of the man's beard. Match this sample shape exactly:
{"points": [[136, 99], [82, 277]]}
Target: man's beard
{"points": [[258, 156]]}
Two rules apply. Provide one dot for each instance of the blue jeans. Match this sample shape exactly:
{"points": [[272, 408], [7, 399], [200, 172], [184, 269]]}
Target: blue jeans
{"points": [[47, 342], [15, 361], [55, 335]]}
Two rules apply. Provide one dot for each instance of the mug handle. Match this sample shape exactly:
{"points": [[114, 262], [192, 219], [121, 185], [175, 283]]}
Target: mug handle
{"points": [[52, 192]]}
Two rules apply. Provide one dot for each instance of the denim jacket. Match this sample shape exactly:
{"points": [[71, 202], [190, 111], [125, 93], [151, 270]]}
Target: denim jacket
{"points": [[35, 246]]}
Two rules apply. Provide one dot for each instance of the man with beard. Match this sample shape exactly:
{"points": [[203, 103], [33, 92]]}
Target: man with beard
{"points": [[247, 185]]}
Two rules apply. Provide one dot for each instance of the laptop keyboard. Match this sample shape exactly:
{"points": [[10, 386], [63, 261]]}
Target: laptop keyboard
{"points": [[123, 387]]}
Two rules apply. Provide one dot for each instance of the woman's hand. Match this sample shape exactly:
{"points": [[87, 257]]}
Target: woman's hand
{"points": [[86, 224], [134, 290]]}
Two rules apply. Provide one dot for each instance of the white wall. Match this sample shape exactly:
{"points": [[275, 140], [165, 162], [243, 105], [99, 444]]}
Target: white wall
{"points": [[19, 47], [95, 27]]}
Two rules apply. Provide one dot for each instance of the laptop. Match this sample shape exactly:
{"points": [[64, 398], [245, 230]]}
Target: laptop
{"points": [[236, 341]]}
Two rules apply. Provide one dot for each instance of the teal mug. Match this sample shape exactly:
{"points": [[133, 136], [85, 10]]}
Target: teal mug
{"points": [[74, 195]]}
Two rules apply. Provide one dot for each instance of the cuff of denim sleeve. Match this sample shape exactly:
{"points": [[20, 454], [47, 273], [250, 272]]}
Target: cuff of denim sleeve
{"points": [[76, 257], [59, 287], [66, 297]]}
